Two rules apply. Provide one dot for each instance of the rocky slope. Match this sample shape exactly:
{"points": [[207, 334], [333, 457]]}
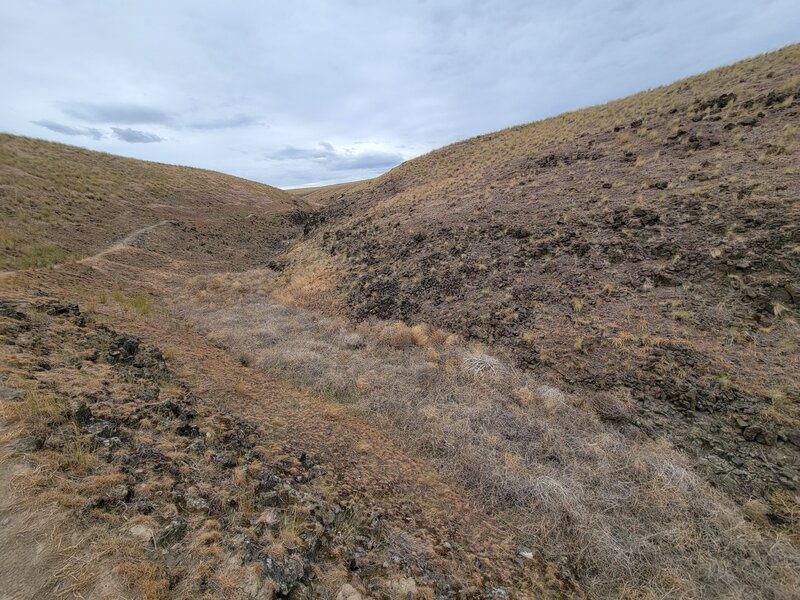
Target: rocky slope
{"points": [[648, 247], [193, 501]]}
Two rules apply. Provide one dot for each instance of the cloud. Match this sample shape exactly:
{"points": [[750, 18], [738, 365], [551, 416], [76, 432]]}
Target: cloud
{"points": [[67, 130], [115, 113], [344, 159], [232, 122], [366, 160], [134, 136], [375, 80]]}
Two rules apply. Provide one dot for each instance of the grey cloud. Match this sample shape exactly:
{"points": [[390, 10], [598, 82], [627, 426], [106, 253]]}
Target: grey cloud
{"points": [[116, 113], [366, 160], [324, 154], [134, 136], [382, 79], [233, 122], [67, 130]]}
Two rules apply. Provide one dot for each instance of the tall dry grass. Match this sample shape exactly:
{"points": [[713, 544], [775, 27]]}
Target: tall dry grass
{"points": [[629, 513]]}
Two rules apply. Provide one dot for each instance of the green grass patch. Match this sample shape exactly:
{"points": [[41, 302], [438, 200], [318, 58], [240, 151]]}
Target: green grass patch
{"points": [[34, 256], [139, 303]]}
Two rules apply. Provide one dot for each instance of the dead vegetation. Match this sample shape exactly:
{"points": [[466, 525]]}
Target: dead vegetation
{"points": [[629, 513], [188, 499]]}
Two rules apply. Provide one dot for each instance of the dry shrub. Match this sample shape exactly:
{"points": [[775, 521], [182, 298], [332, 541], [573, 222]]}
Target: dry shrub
{"points": [[36, 412], [629, 513], [397, 335], [482, 365], [608, 406], [421, 334], [147, 579], [524, 396]]}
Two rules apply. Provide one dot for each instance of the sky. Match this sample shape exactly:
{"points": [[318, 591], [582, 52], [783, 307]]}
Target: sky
{"points": [[311, 92]]}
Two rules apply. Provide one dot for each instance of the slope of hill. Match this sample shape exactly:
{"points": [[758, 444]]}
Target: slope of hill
{"points": [[131, 473], [60, 202], [618, 276], [648, 247]]}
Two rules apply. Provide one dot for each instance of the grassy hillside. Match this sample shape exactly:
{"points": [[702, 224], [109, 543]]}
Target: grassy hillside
{"points": [[648, 247], [59, 202]]}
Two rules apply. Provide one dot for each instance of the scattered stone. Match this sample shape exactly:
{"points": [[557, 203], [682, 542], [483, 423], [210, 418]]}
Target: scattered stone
{"points": [[185, 429], [169, 407], [525, 553], [102, 430], [227, 459], [794, 437], [766, 437], [750, 433], [79, 412], [197, 445], [402, 588], [7, 309], [123, 349], [173, 532], [61, 309], [196, 504], [142, 533], [11, 394], [348, 592], [28, 444]]}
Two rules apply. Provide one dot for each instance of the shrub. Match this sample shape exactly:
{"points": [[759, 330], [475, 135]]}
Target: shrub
{"points": [[398, 335], [479, 364]]}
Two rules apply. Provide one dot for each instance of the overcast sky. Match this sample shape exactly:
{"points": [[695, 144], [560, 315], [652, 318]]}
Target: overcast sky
{"points": [[301, 92]]}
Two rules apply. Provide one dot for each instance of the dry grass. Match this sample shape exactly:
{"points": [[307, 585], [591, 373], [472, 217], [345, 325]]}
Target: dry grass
{"points": [[629, 513], [324, 195], [36, 413], [59, 202]]}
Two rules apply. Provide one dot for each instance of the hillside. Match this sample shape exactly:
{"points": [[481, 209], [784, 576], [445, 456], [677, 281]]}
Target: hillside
{"points": [[141, 458], [647, 248], [556, 361], [59, 202]]}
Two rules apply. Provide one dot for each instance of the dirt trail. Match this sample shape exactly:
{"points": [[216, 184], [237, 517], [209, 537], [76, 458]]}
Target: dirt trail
{"points": [[134, 238], [367, 464]]}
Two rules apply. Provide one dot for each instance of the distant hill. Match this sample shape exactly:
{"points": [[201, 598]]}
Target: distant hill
{"points": [[325, 194], [648, 246], [59, 202]]}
